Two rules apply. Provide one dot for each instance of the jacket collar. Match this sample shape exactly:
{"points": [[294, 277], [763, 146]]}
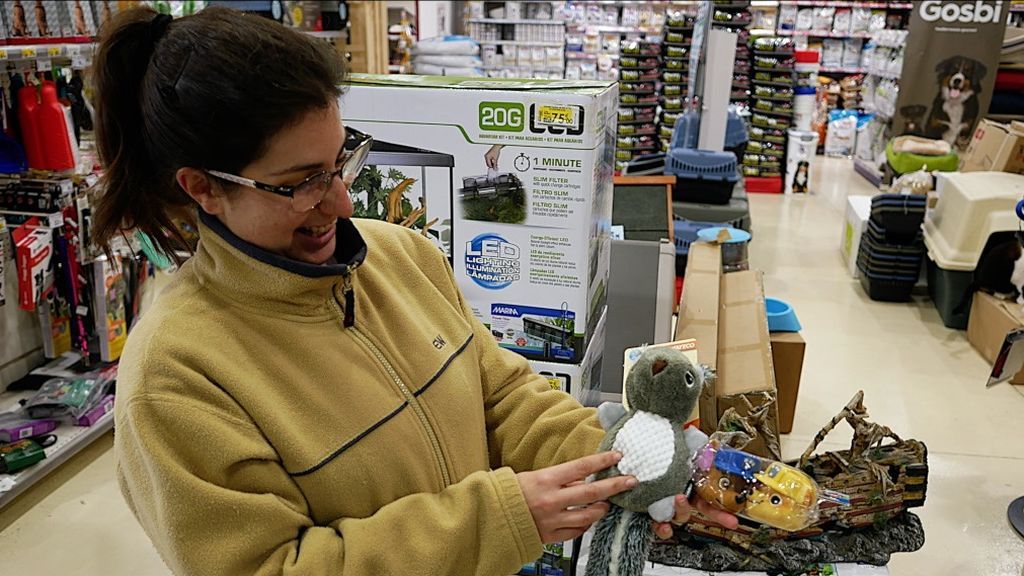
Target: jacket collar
{"points": [[255, 277]]}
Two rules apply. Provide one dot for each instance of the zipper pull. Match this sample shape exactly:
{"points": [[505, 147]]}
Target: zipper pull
{"points": [[350, 298]]}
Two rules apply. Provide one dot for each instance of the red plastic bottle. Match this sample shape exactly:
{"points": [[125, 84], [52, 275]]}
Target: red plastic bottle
{"points": [[53, 122], [28, 117]]}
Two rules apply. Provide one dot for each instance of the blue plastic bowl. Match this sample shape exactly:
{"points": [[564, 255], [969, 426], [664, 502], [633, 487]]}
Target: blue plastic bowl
{"points": [[781, 317], [736, 235]]}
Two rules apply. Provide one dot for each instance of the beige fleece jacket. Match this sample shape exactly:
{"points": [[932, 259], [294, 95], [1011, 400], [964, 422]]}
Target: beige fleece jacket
{"points": [[257, 434]]}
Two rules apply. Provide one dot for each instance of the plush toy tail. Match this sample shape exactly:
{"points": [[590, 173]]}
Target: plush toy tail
{"points": [[621, 544]]}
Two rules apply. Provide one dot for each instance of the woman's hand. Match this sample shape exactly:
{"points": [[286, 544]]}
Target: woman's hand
{"points": [[562, 503], [684, 509], [491, 156]]}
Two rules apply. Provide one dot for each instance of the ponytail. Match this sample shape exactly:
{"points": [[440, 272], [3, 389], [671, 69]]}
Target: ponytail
{"points": [[206, 91]]}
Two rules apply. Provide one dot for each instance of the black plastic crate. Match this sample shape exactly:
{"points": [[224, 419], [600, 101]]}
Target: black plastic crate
{"points": [[899, 216]]}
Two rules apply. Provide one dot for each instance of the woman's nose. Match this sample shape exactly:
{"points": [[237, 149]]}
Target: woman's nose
{"points": [[337, 202]]}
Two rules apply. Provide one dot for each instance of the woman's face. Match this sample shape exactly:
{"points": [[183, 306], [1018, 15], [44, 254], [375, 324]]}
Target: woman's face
{"points": [[267, 220]]}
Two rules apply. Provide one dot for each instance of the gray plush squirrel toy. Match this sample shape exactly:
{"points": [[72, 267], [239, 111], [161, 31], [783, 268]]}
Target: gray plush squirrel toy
{"points": [[662, 388]]}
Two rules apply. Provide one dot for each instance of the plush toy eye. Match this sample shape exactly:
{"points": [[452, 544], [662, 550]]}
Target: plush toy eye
{"points": [[776, 500], [689, 379], [724, 483]]}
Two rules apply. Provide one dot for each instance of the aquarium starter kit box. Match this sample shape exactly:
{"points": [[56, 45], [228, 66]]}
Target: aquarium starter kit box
{"points": [[512, 179], [582, 380]]}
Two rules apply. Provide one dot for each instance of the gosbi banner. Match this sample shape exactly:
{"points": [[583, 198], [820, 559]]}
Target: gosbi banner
{"points": [[949, 68]]}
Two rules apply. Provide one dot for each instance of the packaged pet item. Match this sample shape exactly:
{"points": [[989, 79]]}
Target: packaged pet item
{"points": [[787, 16], [823, 17], [805, 19], [852, 51], [877, 21], [842, 133], [860, 19], [68, 397], [80, 21], [16, 426], [842, 22], [29, 20], [19, 455], [109, 307], [662, 387], [832, 52], [765, 491], [34, 247]]}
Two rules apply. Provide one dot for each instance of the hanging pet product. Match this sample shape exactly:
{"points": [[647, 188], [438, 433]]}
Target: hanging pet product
{"points": [[494, 198]]}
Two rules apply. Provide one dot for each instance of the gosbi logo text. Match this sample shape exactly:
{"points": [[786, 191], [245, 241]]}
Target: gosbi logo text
{"points": [[979, 12]]}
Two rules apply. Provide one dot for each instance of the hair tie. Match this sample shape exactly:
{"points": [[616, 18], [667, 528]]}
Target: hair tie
{"points": [[158, 27]]}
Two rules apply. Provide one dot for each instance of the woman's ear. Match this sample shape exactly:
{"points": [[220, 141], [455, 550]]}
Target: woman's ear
{"points": [[198, 185]]}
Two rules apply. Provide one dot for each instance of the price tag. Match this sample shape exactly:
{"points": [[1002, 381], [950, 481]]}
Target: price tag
{"points": [[74, 49], [28, 52], [55, 220], [79, 62], [44, 65], [54, 51], [82, 311]]}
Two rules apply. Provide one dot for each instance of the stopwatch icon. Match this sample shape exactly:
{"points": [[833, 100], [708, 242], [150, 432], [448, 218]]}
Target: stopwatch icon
{"points": [[522, 162]]}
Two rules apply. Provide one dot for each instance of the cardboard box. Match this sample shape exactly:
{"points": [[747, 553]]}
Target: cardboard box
{"points": [[995, 147], [746, 375], [858, 211], [991, 320], [515, 178], [788, 359], [583, 380], [698, 317]]}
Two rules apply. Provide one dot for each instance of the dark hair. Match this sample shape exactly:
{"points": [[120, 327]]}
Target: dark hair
{"points": [[206, 91]]}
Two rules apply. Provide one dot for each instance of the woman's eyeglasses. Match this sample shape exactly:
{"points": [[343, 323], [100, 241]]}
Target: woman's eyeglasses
{"points": [[309, 193]]}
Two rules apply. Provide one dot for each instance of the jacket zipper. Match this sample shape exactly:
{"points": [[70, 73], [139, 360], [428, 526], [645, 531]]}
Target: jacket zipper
{"points": [[349, 322]]}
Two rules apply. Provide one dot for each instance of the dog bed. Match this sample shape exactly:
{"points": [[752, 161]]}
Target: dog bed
{"points": [[904, 162]]}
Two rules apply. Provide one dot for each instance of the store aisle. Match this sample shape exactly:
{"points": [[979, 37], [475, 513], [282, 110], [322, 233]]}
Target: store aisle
{"points": [[920, 379]]}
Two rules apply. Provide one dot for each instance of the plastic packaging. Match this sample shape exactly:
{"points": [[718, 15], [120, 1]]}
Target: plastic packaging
{"points": [[765, 491], [447, 45], [64, 397], [842, 131]]}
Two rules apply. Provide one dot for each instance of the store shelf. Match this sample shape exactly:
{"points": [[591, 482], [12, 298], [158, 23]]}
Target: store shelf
{"points": [[42, 51], [326, 34], [883, 74], [771, 83], [841, 70], [755, 110], [70, 441], [588, 56], [823, 34], [773, 70], [514, 21], [532, 68], [609, 29], [519, 43]]}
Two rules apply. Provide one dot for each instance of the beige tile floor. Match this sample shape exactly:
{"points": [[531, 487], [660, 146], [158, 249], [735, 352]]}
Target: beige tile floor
{"points": [[922, 380]]}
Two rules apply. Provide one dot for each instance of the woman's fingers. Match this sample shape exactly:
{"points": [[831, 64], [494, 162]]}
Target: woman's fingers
{"points": [[583, 518], [588, 493], [720, 517]]}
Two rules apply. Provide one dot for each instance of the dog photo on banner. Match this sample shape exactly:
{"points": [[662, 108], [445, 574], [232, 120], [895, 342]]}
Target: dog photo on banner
{"points": [[950, 66]]}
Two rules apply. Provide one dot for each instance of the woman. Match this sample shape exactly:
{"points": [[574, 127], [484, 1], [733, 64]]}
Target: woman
{"points": [[311, 394]]}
